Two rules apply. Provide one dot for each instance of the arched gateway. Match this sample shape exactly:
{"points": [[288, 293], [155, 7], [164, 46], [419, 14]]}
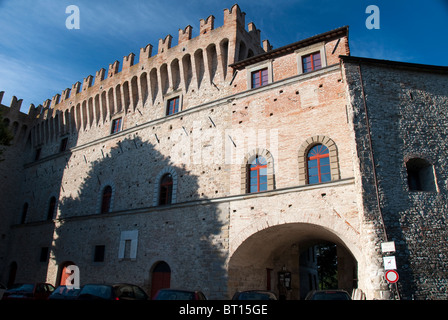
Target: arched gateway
{"points": [[284, 258]]}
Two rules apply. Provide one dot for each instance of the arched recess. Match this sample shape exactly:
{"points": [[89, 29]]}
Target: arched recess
{"points": [[264, 256], [12, 274], [62, 274], [160, 277]]}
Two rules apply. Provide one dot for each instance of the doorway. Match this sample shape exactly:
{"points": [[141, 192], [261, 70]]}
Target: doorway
{"points": [[161, 277]]}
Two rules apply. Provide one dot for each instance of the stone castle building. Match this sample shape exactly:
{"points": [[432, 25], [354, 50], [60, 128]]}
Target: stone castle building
{"points": [[219, 163]]}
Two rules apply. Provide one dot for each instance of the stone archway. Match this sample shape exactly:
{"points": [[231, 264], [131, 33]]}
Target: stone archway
{"points": [[265, 256]]}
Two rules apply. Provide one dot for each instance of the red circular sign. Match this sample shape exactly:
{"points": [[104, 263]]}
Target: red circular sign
{"points": [[392, 276]]}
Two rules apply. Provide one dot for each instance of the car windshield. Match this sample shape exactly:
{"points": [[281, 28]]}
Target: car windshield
{"points": [[101, 291], [175, 295], [64, 291], [330, 295], [22, 287], [256, 296]]}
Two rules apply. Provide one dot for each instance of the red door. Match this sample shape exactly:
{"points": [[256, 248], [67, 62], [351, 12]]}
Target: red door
{"points": [[65, 275], [161, 277]]}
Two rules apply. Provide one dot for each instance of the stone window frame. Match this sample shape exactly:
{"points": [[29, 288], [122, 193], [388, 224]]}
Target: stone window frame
{"points": [[170, 96], [112, 125], [54, 212], [245, 177], [257, 67], [424, 168], [320, 47], [156, 193], [132, 237], [303, 153], [100, 197]]}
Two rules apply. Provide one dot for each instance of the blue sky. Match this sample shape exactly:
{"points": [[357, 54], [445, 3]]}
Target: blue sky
{"points": [[40, 57]]}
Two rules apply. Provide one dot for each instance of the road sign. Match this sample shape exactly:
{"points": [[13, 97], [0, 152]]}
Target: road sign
{"points": [[392, 276], [388, 246], [389, 263]]}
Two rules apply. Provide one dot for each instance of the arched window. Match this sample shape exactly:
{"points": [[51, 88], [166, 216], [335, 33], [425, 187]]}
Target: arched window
{"points": [[51, 208], [106, 199], [318, 161], [257, 171], [420, 175], [24, 213], [258, 175], [166, 189]]}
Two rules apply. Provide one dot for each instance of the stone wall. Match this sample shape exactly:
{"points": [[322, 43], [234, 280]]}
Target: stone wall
{"points": [[403, 117]]}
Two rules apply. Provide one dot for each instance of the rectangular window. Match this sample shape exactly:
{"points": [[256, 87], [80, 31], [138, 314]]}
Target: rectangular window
{"points": [[37, 154], [311, 62], [116, 126], [259, 78], [99, 253], [44, 254], [63, 145], [172, 106]]}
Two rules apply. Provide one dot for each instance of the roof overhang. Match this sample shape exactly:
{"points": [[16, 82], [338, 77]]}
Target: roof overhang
{"points": [[327, 36]]}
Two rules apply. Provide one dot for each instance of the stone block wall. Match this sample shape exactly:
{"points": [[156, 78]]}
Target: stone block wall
{"points": [[399, 113]]}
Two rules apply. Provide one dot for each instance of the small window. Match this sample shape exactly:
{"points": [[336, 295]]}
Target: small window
{"points": [[166, 189], [106, 199], [420, 175], [116, 126], [44, 254], [259, 78], [99, 253], [63, 145], [37, 154], [24, 213], [318, 160], [51, 208], [258, 175], [172, 106], [311, 62]]}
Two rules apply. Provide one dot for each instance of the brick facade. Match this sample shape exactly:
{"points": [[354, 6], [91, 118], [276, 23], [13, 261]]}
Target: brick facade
{"points": [[214, 235]]}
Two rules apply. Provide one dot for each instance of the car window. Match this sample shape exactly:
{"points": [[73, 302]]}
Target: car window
{"points": [[101, 291], [139, 293], [40, 288], [201, 296], [175, 295], [125, 292], [50, 288], [22, 287]]}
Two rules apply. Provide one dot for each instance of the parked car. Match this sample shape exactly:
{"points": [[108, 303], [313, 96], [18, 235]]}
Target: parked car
{"points": [[2, 290], [255, 295], [30, 291], [65, 293], [328, 295], [177, 294], [118, 291]]}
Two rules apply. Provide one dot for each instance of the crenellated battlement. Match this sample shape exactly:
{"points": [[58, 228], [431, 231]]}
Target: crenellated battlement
{"points": [[199, 63]]}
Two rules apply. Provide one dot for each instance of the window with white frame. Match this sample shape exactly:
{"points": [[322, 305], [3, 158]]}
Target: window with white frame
{"points": [[259, 74], [311, 58]]}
